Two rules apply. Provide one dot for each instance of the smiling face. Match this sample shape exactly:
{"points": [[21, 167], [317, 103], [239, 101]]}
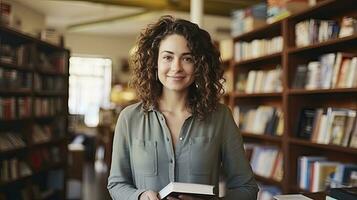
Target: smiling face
{"points": [[175, 64]]}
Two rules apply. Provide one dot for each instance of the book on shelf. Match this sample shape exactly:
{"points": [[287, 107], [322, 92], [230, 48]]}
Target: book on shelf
{"points": [[327, 125], [245, 20], [343, 175], [306, 123], [304, 172], [266, 161], [313, 31], [353, 140], [5, 13], [174, 189], [348, 26], [257, 48]]}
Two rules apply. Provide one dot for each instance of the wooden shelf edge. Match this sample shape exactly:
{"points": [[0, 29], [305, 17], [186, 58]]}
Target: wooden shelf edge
{"points": [[16, 91], [331, 42], [50, 93], [16, 67], [321, 91], [262, 136], [323, 146], [245, 95], [258, 59]]}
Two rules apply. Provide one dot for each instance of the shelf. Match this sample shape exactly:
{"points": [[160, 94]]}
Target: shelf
{"points": [[22, 37], [25, 68], [321, 91], [275, 57], [266, 31], [13, 151], [14, 121], [267, 180], [50, 93], [49, 143], [264, 137], [327, 46], [50, 72], [15, 92], [330, 147], [324, 9], [245, 95]]}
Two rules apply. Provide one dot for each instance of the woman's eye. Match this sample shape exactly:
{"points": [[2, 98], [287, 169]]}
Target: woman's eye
{"points": [[168, 58], [188, 59]]}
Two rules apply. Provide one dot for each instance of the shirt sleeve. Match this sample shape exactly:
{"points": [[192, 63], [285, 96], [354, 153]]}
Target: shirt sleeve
{"points": [[240, 182], [120, 181]]}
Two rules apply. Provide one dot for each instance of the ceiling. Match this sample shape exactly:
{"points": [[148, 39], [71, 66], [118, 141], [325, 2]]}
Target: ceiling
{"points": [[129, 17]]}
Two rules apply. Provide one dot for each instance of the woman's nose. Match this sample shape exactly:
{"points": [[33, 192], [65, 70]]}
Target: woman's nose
{"points": [[176, 65]]}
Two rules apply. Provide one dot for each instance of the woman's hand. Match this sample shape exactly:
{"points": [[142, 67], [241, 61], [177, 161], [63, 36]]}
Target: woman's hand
{"points": [[149, 195]]}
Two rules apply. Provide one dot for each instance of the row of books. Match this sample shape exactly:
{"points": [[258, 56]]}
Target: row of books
{"points": [[13, 79], [49, 83], [245, 20], [11, 140], [267, 192], [21, 55], [41, 133], [54, 62], [280, 9], [46, 106], [15, 108], [257, 48], [260, 81], [332, 70], [42, 186], [259, 120], [44, 157], [266, 161], [317, 173], [314, 31], [13, 169], [336, 126], [5, 13]]}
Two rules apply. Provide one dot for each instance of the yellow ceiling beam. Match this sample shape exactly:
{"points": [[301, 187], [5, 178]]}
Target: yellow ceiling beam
{"points": [[211, 7], [106, 20]]}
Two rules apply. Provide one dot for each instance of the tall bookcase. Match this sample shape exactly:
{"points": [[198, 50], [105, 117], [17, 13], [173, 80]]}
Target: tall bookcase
{"points": [[292, 101], [33, 117]]}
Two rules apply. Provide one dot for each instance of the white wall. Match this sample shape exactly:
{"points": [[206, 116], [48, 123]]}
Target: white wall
{"points": [[31, 21], [113, 47]]}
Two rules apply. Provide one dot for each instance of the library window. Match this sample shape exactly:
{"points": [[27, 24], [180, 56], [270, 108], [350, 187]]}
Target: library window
{"points": [[89, 87]]}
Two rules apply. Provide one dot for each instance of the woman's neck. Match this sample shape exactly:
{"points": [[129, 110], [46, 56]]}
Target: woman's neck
{"points": [[173, 102]]}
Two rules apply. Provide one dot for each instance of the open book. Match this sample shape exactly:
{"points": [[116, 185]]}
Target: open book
{"points": [[174, 189]]}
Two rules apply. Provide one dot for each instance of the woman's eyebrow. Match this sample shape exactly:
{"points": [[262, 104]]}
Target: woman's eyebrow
{"points": [[170, 52]]}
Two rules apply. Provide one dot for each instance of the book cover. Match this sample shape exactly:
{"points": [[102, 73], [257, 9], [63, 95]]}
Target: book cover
{"points": [[175, 189], [349, 193]]}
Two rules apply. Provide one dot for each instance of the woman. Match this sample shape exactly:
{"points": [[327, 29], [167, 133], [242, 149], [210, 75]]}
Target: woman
{"points": [[179, 131]]}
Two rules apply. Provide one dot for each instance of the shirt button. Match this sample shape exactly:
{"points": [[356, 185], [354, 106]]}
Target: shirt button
{"points": [[167, 139], [171, 161], [181, 138]]}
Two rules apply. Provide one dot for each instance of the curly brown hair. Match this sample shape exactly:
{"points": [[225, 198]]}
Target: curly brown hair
{"points": [[205, 92]]}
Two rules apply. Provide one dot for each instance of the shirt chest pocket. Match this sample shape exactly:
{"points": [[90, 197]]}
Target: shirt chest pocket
{"points": [[203, 155], [144, 157]]}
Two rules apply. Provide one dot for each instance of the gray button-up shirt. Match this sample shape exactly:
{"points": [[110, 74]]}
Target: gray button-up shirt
{"points": [[144, 158]]}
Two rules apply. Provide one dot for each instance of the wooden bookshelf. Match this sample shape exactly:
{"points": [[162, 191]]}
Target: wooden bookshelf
{"points": [[27, 55], [264, 137], [290, 100]]}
